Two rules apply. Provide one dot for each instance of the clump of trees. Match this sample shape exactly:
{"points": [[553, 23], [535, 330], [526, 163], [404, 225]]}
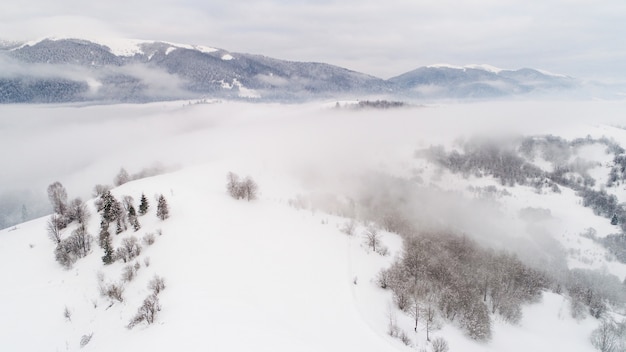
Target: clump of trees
{"points": [[441, 275], [241, 189], [68, 250], [150, 307]]}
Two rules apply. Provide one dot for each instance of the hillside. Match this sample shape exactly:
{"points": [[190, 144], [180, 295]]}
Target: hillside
{"points": [[280, 273]]}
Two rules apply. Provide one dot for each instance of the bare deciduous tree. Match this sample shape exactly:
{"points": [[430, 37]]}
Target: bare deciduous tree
{"points": [[147, 311], [373, 237], [54, 229], [58, 197], [246, 189], [121, 178]]}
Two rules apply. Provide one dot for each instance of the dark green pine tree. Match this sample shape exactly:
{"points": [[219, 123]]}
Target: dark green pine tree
{"points": [[109, 206], [143, 205], [107, 258], [132, 218], [105, 243], [163, 211], [104, 233]]}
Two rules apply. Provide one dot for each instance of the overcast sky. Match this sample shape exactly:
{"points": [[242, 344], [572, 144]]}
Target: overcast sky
{"points": [[582, 38]]}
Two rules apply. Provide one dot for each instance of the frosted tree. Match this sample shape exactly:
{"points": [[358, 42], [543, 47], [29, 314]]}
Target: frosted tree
{"points": [[121, 178], [606, 337], [163, 211], [249, 189], [58, 197], [77, 211], [373, 237], [54, 229], [246, 189], [232, 186]]}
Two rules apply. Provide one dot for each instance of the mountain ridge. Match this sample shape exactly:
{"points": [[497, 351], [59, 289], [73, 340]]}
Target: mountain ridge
{"points": [[142, 70]]}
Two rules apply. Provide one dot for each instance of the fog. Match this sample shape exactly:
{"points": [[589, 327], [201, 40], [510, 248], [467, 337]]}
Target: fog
{"points": [[316, 147]]}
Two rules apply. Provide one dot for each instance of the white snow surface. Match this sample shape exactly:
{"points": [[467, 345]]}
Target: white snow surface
{"points": [[124, 46], [264, 275]]}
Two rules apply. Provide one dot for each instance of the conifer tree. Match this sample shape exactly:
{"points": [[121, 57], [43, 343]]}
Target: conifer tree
{"points": [[163, 211], [143, 205], [105, 242], [132, 218]]}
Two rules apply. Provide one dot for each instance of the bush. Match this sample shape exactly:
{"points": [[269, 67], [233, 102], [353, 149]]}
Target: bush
{"points": [[148, 239], [129, 249], [129, 272], [157, 284], [113, 291], [84, 340], [440, 345]]}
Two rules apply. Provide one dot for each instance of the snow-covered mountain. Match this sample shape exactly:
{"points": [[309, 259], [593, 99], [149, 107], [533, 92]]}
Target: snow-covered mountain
{"points": [[480, 81], [325, 258], [62, 69]]}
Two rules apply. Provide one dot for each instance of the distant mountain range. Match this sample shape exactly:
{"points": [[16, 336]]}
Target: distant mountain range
{"points": [[76, 70]]}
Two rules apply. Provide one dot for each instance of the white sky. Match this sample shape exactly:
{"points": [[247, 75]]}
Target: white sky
{"points": [[582, 38]]}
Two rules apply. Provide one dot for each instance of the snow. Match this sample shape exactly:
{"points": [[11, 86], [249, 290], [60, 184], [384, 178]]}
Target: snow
{"points": [[227, 57], [485, 67], [169, 50], [124, 46], [264, 275]]}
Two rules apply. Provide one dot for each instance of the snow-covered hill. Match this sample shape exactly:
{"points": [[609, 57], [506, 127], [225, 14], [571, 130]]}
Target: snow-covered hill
{"points": [[278, 272]]}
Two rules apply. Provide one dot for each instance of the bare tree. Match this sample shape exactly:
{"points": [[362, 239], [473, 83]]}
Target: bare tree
{"points": [[373, 237], [54, 229], [232, 186], [129, 249], [99, 190], [58, 197], [249, 189], [77, 211], [147, 311], [246, 189], [121, 178]]}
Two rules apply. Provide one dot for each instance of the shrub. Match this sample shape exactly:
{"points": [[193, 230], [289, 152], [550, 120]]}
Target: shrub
{"points": [[157, 284], [440, 345], [148, 239]]}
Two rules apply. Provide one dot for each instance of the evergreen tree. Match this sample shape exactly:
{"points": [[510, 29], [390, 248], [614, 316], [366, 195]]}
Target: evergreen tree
{"points": [[614, 220], [143, 205], [105, 242], [108, 251], [109, 206], [132, 218], [163, 211]]}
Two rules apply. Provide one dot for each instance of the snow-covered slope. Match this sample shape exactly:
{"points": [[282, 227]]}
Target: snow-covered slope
{"points": [[274, 274]]}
